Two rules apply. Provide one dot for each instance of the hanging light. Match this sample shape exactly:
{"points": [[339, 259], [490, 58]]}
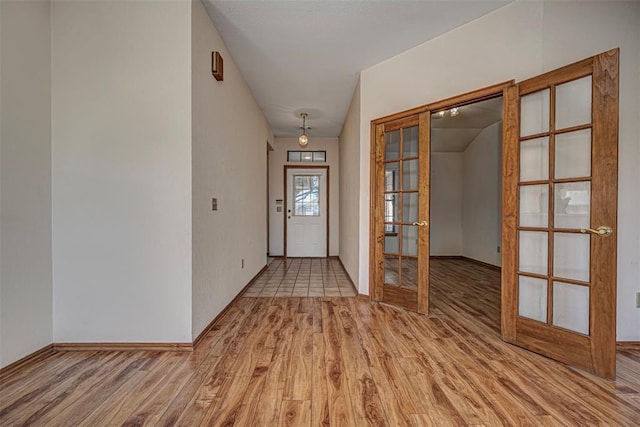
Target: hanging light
{"points": [[303, 140], [453, 112]]}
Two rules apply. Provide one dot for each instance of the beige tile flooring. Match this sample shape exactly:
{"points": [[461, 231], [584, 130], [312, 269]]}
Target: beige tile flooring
{"points": [[302, 277]]}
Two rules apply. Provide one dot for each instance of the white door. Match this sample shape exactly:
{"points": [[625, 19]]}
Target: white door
{"points": [[306, 220]]}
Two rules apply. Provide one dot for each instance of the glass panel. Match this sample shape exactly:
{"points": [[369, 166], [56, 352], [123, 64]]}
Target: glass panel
{"points": [[391, 270], [392, 176], [410, 175], [392, 240], [409, 240], [573, 154], [409, 272], [392, 145], [571, 256], [571, 307], [410, 142], [534, 113], [391, 203], [533, 251], [306, 156], [293, 156], [532, 298], [306, 194], [573, 103], [572, 205], [534, 205], [410, 207], [534, 159], [319, 156]]}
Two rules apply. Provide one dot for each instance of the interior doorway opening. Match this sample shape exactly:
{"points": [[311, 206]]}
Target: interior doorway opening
{"points": [[465, 208]]}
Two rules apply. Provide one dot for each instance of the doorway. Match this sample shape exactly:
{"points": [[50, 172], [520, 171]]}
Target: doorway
{"points": [[466, 212], [558, 278], [306, 228]]}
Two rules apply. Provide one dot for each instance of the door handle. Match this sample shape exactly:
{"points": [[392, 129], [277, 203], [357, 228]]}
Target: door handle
{"points": [[603, 231], [421, 223]]}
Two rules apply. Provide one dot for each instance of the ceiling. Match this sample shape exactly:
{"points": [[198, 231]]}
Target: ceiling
{"points": [[454, 134], [305, 56]]}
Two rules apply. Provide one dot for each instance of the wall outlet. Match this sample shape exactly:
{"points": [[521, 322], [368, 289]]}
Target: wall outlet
{"points": [[242, 262], [214, 204], [498, 249], [638, 299]]}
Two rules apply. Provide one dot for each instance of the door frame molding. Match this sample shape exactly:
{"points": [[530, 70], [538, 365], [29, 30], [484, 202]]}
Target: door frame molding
{"points": [[286, 197], [466, 98]]}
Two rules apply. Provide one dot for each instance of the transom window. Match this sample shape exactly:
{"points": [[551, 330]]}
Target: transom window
{"points": [[307, 156]]}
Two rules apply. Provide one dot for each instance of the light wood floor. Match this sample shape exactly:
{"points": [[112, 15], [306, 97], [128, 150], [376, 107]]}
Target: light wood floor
{"points": [[332, 361]]}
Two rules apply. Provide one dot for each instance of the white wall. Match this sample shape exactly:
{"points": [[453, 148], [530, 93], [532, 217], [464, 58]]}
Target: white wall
{"points": [[348, 152], [25, 184], [229, 163], [121, 171], [518, 41], [482, 196], [599, 26], [277, 160], [445, 213]]}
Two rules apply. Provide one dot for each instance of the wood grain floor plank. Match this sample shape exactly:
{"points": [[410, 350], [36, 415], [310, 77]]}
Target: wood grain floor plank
{"points": [[115, 411], [340, 412], [295, 413], [365, 399], [319, 393], [59, 392], [332, 362]]}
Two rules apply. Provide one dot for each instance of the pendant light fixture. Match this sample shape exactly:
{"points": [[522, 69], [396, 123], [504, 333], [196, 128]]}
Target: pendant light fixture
{"points": [[303, 140]]}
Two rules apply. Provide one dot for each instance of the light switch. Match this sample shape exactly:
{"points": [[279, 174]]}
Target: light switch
{"points": [[214, 204]]}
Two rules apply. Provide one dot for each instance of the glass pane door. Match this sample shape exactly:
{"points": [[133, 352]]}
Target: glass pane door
{"points": [[554, 205], [559, 214], [401, 160], [401, 252]]}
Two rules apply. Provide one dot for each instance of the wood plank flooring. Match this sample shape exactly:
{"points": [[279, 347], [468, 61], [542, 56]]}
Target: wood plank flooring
{"points": [[332, 362]]}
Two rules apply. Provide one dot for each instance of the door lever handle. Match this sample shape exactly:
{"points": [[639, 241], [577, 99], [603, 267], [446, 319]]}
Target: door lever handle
{"points": [[603, 231], [421, 223]]}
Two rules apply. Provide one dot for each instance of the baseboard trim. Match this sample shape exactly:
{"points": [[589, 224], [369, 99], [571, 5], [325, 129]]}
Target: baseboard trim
{"points": [[216, 319], [364, 297], [30, 359], [482, 263], [628, 345], [121, 346], [50, 349]]}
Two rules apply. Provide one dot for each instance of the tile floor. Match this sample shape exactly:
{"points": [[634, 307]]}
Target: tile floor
{"points": [[302, 277]]}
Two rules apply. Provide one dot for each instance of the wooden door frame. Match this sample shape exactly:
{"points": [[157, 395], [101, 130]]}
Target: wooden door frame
{"points": [[478, 95], [286, 197]]}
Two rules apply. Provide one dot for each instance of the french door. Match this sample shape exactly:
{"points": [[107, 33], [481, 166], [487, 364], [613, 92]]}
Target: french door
{"points": [[401, 212], [559, 214]]}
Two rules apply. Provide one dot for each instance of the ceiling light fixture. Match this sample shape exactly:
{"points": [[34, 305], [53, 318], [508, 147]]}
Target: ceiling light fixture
{"points": [[303, 140], [453, 112]]}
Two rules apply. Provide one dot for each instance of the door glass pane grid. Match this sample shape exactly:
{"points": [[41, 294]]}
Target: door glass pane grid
{"points": [[401, 207], [557, 197]]}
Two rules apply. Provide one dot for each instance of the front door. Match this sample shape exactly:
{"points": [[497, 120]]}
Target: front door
{"points": [[559, 213], [306, 219], [401, 212]]}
